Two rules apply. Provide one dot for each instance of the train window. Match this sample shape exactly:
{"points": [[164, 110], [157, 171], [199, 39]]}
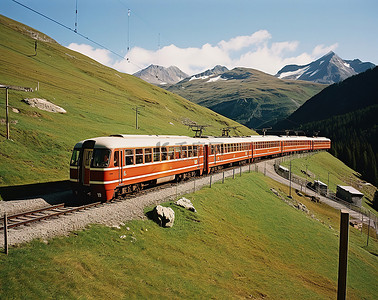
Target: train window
{"points": [[171, 152], [129, 157], [177, 152], [195, 151], [190, 151], [116, 158], [147, 155], [101, 158], [156, 154], [139, 156], [184, 152], [218, 148], [164, 155], [75, 157]]}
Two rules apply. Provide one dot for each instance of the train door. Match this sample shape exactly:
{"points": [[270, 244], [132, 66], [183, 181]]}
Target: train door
{"points": [[86, 166], [206, 158], [118, 162]]}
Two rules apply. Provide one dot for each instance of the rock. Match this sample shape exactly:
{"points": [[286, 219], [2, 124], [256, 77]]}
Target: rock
{"points": [[302, 207], [185, 203], [164, 216], [43, 104]]}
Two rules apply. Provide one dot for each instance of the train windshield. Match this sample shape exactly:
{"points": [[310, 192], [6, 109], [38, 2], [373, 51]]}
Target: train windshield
{"points": [[100, 158], [75, 157]]}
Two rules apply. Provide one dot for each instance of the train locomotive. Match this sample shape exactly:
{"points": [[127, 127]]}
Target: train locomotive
{"points": [[104, 168]]}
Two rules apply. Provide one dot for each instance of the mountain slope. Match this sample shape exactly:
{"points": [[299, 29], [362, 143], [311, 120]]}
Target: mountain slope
{"points": [[160, 76], [347, 113], [328, 69], [98, 100], [248, 96]]}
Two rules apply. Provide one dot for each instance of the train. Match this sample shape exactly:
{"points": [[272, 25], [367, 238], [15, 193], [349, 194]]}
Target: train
{"points": [[104, 168]]}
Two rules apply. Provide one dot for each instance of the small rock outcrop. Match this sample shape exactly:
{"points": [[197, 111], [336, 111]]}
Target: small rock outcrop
{"points": [[185, 203], [43, 104], [164, 216]]}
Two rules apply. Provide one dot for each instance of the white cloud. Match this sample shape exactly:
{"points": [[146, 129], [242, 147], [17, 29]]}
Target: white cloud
{"points": [[100, 55], [254, 51]]}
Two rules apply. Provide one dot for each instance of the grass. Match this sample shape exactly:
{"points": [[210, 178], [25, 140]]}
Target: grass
{"points": [[99, 101], [244, 241], [323, 166]]}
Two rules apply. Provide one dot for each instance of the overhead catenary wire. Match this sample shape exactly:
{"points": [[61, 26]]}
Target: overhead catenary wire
{"points": [[76, 32]]}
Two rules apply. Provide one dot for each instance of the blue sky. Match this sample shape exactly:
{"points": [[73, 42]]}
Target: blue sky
{"points": [[198, 34]]}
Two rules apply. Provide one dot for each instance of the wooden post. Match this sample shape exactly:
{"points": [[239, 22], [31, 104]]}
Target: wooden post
{"points": [[223, 178], [367, 242], [194, 185], [5, 234], [211, 177], [343, 256], [240, 171], [233, 173]]}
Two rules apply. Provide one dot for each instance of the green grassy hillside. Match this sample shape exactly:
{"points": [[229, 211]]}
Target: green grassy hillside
{"points": [[327, 168], [243, 242], [248, 96], [98, 100]]}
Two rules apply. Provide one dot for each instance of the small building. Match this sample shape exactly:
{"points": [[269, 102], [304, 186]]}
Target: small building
{"points": [[349, 194], [320, 187]]}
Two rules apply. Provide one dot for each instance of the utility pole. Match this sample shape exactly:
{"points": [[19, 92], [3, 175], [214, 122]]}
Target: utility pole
{"points": [[16, 88], [137, 108], [290, 180]]}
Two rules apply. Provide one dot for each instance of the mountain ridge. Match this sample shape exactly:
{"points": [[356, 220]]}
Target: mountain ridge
{"points": [[160, 75], [328, 69]]}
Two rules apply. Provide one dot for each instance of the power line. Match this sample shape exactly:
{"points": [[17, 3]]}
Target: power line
{"points": [[74, 31]]}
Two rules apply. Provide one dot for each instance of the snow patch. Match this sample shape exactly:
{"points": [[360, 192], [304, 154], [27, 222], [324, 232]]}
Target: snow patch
{"points": [[347, 65], [298, 73], [215, 79], [200, 77]]}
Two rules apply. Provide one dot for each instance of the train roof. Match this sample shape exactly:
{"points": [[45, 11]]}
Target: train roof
{"points": [[128, 141]]}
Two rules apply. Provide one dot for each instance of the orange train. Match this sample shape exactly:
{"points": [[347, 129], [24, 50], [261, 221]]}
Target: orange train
{"points": [[106, 167]]}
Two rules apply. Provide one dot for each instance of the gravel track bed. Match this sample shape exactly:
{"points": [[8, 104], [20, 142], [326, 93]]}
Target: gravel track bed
{"points": [[110, 214]]}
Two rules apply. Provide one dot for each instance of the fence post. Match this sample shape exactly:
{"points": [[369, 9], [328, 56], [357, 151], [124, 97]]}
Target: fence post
{"points": [[194, 185], [240, 171], [211, 176], [5, 234], [233, 173], [223, 178], [249, 168], [343, 255], [367, 242]]}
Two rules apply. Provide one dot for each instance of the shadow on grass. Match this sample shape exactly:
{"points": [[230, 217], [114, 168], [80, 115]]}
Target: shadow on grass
{"points": [[52, 192]]}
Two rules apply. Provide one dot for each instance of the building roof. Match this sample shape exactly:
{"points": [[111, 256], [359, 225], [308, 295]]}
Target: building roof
{"points": [[350, 189]]}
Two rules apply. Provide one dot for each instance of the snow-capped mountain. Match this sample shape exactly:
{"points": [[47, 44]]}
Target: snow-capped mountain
{"points": [[214, 72], [328, 69], [160, 75]]}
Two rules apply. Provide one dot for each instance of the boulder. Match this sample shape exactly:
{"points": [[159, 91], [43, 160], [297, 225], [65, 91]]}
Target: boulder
{"points": [[164, 216], [43, 104], [185, 203]]}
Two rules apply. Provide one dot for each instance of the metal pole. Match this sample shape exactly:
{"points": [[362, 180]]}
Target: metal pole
{"points": [[223, 178], [290, 180], [343, 255], [240, 171], [7, 112], [233, 173], [136, 118], [211, 177], [5, 234]]}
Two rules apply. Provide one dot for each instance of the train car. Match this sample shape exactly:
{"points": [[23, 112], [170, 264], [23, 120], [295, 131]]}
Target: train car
{"points": [[291, 144], [320, 143], [266, 146], [220, 151], [105, 167]]}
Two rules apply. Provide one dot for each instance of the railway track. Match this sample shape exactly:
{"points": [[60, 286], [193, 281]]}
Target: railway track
{"points": [[42, 214]]}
